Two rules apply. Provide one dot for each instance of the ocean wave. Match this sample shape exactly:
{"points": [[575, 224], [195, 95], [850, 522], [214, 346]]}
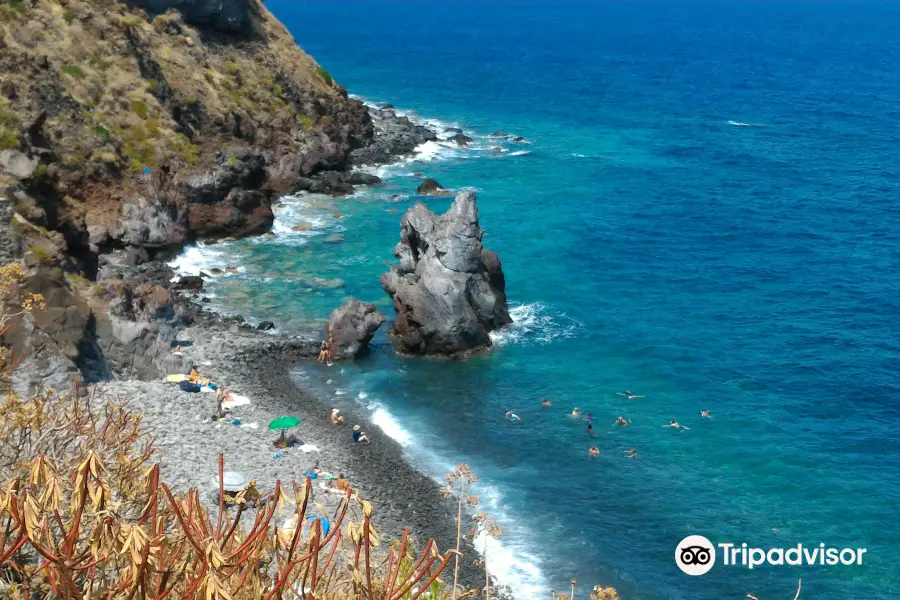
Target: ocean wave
{"points": [[511, 563], [740, 124], [202, 257], [520, 153], [392, 428], [531, 322]]}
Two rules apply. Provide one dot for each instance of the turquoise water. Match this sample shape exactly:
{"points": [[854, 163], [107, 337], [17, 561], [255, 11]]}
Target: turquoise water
{"points": [[706, 213]]}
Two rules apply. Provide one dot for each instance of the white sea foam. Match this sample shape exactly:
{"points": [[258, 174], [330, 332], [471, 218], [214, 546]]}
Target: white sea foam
{"points": [[740, 124], [520, 153], [390, 426], [509, 559], [533, 322]]}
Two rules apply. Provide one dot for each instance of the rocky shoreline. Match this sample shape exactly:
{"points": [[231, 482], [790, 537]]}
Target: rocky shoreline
{"points": [[259, 366]]}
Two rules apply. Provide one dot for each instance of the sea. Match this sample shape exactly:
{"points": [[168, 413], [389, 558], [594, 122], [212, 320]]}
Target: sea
{"points": [[704, 210]]}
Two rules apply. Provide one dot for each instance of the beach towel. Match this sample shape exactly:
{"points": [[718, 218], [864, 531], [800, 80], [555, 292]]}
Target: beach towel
{"points": [[208, 389], [309, 448], [176, 377], [235, 401]]}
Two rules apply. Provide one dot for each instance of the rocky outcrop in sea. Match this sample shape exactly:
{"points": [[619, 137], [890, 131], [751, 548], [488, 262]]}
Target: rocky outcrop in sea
{"points": [[448, 291], [351, 328], [395, 136]]}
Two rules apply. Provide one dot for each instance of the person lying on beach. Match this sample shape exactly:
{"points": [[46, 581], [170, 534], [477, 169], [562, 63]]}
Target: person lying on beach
{"points": [[631, 453], [674, 423], [706, 413], [594, 451], [622, 421], [576, 412], [359, 435], [545, 402], [629, 395], [336, 418]]}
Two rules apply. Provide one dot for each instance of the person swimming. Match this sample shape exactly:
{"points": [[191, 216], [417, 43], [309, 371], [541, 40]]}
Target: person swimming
{"points": [[546, 402], [576, 412], [511, 416], [594, 451], [589, 416], [622, 421], [629, 395], [706, 413], [631, 453], [590, 429], [674, 423]]}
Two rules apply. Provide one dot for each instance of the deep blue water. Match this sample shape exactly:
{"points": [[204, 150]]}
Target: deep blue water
{"points": [[707, 214]]}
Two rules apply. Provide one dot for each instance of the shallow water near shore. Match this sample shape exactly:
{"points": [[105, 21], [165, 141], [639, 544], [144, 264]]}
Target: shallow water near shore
{"points": [[705, 213]]}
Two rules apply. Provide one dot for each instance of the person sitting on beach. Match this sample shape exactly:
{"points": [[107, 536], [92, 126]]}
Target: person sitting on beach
{"points": [[594, 451], [706, 413], [674, 423], [546, 402], [323, 351], [631, 453], [341, 483], [629, 395], [336, 418], [623, 422], [194, 375], [576, 412], [359, 435]]}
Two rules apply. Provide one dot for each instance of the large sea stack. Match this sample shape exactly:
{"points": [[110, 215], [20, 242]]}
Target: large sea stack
{"points": [[448, 290]]}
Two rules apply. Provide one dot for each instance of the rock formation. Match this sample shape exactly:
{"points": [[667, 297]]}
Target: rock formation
{"points": [[394, 136], [430, 187], [448, 290], [351, 328]]}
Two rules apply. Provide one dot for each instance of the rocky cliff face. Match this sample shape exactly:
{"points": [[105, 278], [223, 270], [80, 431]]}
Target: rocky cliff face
{"points": [[448, 290], [149, 123], [129, 128]]}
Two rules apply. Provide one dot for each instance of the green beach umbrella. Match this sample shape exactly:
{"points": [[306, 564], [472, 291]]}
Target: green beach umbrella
{"points": [[284, 423]]}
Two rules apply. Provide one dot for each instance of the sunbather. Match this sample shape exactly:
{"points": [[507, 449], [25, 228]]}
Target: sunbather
{"points": [[336, 418]]}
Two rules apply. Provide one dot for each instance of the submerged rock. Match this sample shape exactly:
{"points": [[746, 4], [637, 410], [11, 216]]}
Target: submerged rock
{"points": [[351, 328], [430, 187], [462, 140], [448, 291]]}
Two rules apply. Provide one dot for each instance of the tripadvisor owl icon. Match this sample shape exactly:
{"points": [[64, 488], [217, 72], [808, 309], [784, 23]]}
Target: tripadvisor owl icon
{"points": [[695, 555]]}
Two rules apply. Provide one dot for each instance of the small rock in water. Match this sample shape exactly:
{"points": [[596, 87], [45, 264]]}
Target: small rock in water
{"points": [[499, 134], [216, 271], [496, 149], [518, 139], [266, 326], [430, 187], [231, 269], [302, 226], [334, 239], [268, 234], [419, 175], [462, 140]]}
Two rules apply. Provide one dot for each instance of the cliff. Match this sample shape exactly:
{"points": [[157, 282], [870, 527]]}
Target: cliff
{"points": [[130, 128], [149, 123]]}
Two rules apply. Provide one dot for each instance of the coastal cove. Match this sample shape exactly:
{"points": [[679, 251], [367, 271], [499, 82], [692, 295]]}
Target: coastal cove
{"points": [[669, 225]]}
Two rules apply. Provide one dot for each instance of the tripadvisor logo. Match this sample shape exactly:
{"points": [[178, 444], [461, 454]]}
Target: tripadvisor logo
{"points": [[696, 555]]}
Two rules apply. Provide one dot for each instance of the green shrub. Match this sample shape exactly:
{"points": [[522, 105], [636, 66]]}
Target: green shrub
{"points": [[324, 75], [18, 6], [8, 119], [102, 132], [128, 21], [73, 70], [152, 128], [69, 16], [139, 108], [305, 122], [232, 67], [152, 85], [40, 171], [8, 140], [43, 256]]}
